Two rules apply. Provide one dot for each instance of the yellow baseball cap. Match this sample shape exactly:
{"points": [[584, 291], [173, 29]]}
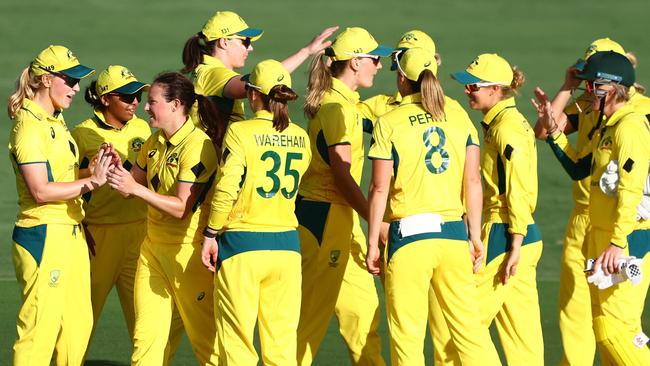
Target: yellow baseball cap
{"points": [[118, 79], [488, 68], [59, 59], [227, 24], [266, 75], [356, 42], [415, 60], [416, 38], [410, 39], [599, 45]]}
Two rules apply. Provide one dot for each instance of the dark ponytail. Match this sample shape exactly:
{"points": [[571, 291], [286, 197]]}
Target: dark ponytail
{"points": [[276, 103], [92, 97], [195, 47], [177, 86]]}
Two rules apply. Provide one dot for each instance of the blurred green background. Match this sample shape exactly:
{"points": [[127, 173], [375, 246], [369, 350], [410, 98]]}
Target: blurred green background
{"points": [[541, 37]]}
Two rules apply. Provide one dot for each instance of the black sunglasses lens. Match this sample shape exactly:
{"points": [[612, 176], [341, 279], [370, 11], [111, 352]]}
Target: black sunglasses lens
{"points": [[68, 80], [246, 42]]}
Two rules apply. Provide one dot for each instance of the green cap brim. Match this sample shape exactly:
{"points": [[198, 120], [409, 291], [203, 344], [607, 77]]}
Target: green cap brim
{"points": [[252, 33], [78, 72], [465, 78], [132, 88], [381, 51]]}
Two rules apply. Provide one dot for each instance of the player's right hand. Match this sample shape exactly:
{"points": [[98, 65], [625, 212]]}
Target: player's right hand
{"points": [[209, 252], [373, 260]]}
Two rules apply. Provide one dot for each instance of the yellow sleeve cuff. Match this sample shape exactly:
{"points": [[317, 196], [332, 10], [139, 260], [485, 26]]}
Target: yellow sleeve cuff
{"points": [[217, 220]]}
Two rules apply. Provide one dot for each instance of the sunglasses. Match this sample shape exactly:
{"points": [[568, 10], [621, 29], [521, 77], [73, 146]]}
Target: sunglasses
{"points": [[375, 59], [477, 86], [246, 42], [128, 98], [68, 80]]}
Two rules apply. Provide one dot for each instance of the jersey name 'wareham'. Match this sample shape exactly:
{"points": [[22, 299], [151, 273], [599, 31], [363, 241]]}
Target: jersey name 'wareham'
{"points": [[259, 177]]}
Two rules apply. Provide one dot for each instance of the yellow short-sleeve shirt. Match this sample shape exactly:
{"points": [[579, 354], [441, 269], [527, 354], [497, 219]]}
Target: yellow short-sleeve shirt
{"points": [[428, 158], [104, 205], [337, 122], [40, 138], [259, 176], [188, 156]]}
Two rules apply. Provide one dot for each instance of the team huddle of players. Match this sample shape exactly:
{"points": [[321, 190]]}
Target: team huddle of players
{"points": [[220, 221]]}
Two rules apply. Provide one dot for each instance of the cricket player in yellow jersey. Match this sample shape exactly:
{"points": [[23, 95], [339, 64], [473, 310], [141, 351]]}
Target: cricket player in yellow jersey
{"points": [[614, 230], [428, 240], [49, 249], [173, 174], [513, 241], [115, 226], [257, 257], [576, 324], [330, 192], [212, 55]]}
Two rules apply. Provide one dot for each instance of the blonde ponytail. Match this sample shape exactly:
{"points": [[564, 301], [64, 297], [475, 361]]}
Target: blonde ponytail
{"points": [[518, 80], [26, 86], [634, 61], [433, 97], [320, 80]]}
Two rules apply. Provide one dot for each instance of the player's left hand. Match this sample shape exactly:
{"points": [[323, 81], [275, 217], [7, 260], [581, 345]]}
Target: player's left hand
{"points": [[320, 41], [609, 259], [209, 253], [121, 180], [510, 267]]}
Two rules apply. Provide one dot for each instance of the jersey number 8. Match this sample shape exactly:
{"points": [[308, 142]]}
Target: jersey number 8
{"points": [[272, 173], [439, 148]]}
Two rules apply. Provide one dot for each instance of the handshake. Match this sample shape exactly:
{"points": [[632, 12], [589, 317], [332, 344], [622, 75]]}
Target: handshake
{"points": [[629, 268], [609, 185]]}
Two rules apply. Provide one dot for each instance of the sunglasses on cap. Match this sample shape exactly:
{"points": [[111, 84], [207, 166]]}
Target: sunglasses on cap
{"points": [[245, 41], [128, 98]]}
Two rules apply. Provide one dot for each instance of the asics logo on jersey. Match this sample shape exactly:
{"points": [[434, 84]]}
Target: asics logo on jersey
{"points": [[201, 296], [151, 153], [281, 77], [52, 132]]}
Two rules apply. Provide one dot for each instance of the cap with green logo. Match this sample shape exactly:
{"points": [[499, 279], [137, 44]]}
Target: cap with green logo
{"points": [[118, 79], [59, 59]]}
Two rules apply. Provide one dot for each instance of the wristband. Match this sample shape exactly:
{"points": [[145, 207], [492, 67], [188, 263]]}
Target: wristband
{"points": [[208, 234]]}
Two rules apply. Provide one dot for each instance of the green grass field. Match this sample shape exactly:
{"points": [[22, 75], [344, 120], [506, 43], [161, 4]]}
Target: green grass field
{"points": [[541, 37]]}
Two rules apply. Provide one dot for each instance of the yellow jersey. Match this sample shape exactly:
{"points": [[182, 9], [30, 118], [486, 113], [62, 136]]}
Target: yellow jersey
{"points": [[104, 205], [40, 138], [377, 106], [428, 158], [259, 176], [210, 79], [624, 138], [337, 122], [509, 167], [188, 156]]}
